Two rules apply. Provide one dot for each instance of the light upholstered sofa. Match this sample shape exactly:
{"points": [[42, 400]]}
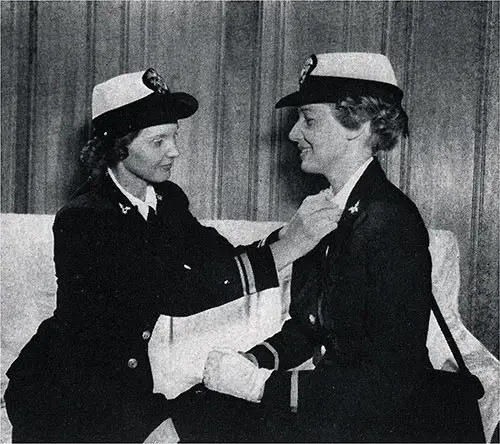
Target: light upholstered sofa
{"points": [[179, 346]]}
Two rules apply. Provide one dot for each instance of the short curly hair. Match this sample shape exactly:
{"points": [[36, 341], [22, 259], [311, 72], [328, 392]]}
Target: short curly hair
{"points": [[101, 152], [387, 121]]}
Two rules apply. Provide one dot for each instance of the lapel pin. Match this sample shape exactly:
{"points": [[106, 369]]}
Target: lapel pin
{"points": [[124, 208], [159, 197], [354, 209]]}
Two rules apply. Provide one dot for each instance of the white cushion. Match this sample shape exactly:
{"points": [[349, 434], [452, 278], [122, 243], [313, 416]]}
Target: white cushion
{"points": [[179, 346]]}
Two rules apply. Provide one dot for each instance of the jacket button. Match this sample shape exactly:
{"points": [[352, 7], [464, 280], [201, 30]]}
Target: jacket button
{"points": [[226, 282], [132, 363], [312, 319], [146, 334]]}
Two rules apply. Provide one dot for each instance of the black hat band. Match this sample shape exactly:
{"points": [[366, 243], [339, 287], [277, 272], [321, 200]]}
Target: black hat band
{"points": [[153, 109], [322, 89]]}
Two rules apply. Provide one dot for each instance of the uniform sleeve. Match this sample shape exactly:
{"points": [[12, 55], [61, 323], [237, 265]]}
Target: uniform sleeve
{"points": [[210, 271], [98, 265], [288, 348], [398, 302]]}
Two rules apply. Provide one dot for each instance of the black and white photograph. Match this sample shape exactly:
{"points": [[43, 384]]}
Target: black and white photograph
{"points": [[232, 221]]}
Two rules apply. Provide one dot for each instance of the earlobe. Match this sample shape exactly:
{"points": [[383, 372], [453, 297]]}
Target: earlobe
{"points": [[364, 129]]}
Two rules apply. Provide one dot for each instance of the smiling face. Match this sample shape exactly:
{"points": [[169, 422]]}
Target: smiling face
{"points": [[321, 139], [150, 158], [152, 153]]}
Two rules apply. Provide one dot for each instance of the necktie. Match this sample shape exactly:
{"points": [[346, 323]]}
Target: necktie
{"points": [[151, 215]]}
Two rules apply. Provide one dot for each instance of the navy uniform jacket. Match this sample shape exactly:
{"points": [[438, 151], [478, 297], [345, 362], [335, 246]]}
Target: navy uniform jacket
{"points": [[85, 375], [364, 294]]}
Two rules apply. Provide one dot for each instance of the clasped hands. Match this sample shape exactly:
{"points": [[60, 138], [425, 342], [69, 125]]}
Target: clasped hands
{"points": [[230, 372]]}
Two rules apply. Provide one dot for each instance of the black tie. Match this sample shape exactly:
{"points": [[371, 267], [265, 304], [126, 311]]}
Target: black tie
{"points": [[151, 215]]}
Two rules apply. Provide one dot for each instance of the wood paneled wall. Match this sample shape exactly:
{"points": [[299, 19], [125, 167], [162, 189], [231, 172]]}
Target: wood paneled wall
{"points": [[238, 59]]}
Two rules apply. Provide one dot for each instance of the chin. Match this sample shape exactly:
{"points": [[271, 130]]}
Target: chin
{"points": [[159, 178], [308, 168]]}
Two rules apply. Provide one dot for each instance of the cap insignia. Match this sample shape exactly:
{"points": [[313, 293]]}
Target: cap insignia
{"points": [[154, 81], [308, 67]]}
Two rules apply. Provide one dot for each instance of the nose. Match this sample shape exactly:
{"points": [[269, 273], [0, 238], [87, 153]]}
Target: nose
{"points": [[294, 135], [171, 149]]}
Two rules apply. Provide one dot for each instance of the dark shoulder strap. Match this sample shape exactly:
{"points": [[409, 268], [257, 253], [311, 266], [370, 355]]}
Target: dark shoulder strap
{"points": [[449, 338]]}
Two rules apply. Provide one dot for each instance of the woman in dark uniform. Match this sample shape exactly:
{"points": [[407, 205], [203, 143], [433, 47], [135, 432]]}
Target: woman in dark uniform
{"points": [[126, 250], [360, 300]]}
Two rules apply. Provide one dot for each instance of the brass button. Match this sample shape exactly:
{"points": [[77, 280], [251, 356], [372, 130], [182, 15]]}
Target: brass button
{"points": [[132, 363], [312, 319], [226, 282], [146, 334]]}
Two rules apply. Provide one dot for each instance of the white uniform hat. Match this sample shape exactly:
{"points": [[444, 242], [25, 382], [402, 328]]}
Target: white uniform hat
{"points": [[326, 77], [137, 100]]}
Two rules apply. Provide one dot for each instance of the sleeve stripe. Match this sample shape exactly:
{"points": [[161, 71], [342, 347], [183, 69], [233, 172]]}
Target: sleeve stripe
{"points": [[275, 354], [247, 266], [294, 391], [243, 275]]}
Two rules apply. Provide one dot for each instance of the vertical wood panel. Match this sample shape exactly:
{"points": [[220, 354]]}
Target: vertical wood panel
{"points": [[399, 48], [446, 80], [484, 261], [241, 53], [272, 40], [136, 37], [60, 107], [365, 26], [15, 87], [109, 50]]}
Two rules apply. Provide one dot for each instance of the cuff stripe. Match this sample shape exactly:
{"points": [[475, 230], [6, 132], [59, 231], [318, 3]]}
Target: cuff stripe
{"points": [[243, 275], [275, 354], [249, 273], [294, 391]]}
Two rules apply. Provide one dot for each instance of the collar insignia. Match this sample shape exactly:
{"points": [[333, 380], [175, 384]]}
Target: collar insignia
{"points": [[124, 208], [354, 209]]}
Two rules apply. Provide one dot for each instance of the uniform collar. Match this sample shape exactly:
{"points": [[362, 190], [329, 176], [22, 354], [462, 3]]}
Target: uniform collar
{"points": [[142, 205], [343, 195]]}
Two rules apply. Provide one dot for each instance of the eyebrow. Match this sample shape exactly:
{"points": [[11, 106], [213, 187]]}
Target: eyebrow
{"points": [[163, 135]]}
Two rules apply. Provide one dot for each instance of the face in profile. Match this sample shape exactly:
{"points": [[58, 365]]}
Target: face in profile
{"points": [[321, 139], [152, 153]]}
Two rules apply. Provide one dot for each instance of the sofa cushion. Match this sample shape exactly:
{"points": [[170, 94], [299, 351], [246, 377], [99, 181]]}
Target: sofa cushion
{"points": [[179, 346]]}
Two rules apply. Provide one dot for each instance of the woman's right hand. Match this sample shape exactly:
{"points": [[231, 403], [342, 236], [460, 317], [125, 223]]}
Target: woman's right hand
{"points": [[316, 217]]}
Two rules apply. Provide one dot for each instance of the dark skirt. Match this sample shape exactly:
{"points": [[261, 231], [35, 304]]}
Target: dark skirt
{"points": [[206, 416], [42, 413]]}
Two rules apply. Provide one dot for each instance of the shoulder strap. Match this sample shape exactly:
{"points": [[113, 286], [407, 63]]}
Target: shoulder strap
{"points": [[448, 336]]}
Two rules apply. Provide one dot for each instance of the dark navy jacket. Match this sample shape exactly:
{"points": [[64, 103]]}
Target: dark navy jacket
{"points": [[85, 375], [364, 294]]}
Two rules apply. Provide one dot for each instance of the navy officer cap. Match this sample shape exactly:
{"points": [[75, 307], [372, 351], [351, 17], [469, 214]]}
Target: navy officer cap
{"points": [[133, 101], [327, 77]]}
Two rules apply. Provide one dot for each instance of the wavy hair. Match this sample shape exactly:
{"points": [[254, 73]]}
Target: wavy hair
{"points": [[100, 152], [387, 121]]}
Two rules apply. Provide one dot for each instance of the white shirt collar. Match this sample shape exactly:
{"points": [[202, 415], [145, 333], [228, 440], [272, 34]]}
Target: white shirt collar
{"points": [[142, 205], [341, 197]]}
